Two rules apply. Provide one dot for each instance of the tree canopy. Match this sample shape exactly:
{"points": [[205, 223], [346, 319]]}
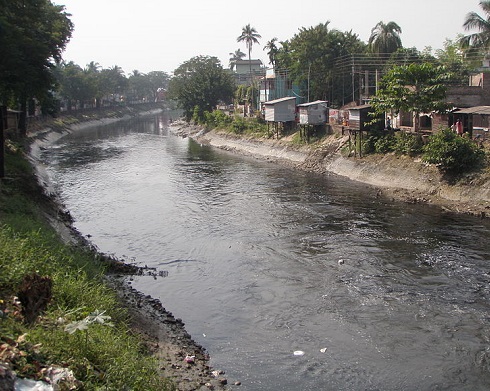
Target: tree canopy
{"points": [[201, 83], [250, 36], [33, 34], [385, 38], [417, 88], [272, 50], [479, 41], [310, 59]]}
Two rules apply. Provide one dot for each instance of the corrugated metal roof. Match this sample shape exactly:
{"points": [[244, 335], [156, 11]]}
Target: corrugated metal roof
{"points": [[474, 110], [317, 102], [271, 102]]}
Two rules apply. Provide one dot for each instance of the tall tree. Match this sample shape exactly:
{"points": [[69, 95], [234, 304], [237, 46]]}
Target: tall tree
{"points": [[33, 35], [113, 82], [385, 38], [158, 81], [199, 84], [249, 36], [310, 56], [76, 84], [479, 41], [272, 51], [416, 88]]}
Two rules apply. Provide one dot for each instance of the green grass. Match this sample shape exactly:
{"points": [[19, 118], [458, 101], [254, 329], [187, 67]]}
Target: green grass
{"points": [[108, 357]]}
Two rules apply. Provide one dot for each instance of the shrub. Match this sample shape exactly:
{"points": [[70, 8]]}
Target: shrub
{"points": [[238, 125], [408, 144], [385, 144], [377, 142], [217, 119], [451, 153]]}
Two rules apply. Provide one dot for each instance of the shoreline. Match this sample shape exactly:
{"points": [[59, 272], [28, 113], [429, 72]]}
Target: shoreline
{"points": [[161, 333], [399, 178]]}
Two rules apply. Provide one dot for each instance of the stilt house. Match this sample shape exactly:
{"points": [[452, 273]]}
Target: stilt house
{"points": [[280, 110]]}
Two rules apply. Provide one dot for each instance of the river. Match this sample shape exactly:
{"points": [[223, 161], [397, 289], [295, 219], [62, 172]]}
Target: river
{"points": [[290, 280]]}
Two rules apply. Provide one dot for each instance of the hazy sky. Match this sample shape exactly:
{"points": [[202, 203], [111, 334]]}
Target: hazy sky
{"points": [[159, 35]]}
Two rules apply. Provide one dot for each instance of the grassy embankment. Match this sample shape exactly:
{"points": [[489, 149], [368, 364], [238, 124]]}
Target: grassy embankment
{"points": [[102, 351]]}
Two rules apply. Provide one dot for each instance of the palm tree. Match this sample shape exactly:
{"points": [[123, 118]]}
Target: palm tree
{"points": [[236, 56], [272, 51], [481, 39], [385, 38], [93, 67], [249, 36]]}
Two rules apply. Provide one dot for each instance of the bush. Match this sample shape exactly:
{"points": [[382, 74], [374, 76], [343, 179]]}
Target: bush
{"points": [[238, 125], [217, 119], [378, 142], [408, 144], [385, 144], [451, 153]]}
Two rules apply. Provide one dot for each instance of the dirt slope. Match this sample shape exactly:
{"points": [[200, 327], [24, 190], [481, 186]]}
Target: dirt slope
{"points": [[399, 177]]}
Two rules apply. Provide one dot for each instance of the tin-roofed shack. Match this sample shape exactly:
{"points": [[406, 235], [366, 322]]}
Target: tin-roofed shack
{"points": [[313, 113], [360, 121], [280, 111], [360, 118], [313, 117]]}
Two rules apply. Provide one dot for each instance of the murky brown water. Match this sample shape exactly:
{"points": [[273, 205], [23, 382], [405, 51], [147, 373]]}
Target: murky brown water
{"points": [[252, 252]]}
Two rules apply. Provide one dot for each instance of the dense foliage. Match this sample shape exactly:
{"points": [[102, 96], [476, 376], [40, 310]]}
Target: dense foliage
{"points": [[95, 87], [413, 88], [400, 142], [237, 124], [201, 83], [310, 59], [452, 153], [33, 34]]}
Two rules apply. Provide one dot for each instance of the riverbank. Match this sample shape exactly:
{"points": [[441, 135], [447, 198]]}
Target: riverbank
{"points": [[400, 178], [181, 363]]}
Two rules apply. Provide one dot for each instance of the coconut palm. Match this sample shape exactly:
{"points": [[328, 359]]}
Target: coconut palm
{"points": [[385, 38], [272, 51], [236, 56], [249, 36], [93, 67], [481, 39]]}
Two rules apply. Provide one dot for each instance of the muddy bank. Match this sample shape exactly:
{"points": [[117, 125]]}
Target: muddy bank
{"points": [[396, 177], [180, 358]]}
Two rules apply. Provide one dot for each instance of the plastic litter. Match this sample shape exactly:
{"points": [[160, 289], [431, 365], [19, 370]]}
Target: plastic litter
{"points": [[323, 350], [189, 359], [31, 385], [298, 353]]}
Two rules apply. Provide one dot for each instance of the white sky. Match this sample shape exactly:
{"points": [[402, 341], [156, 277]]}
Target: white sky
{"points": [[159, 35]]}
